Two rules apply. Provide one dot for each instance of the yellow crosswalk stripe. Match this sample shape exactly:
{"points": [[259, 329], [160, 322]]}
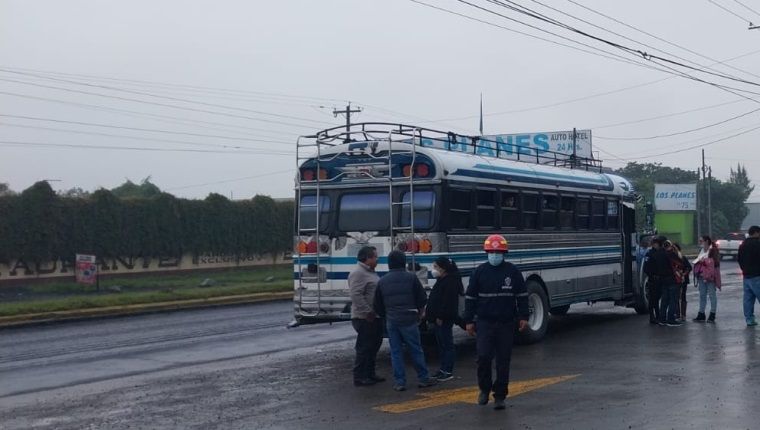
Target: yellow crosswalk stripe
{"points": [[434, 399]]}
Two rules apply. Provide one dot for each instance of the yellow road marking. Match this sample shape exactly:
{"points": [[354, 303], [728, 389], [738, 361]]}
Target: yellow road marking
{"points": [[467, 395]]}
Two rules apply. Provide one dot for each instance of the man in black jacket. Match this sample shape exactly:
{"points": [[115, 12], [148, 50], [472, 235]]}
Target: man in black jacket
{"points": [[400, 299], [749, 261], [495, 298], [660, 276]]}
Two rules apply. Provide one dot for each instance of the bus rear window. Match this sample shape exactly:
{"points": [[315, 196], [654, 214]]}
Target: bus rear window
{"points": [[308, 212], [364, 212], [424, 204]]}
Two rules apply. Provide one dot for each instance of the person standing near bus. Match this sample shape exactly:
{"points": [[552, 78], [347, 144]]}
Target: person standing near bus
{"points": [[749, 261], [684, 285], [443, 310], [362, 282], [495, 298], [671, 286], [707, 270], [401, 300], [656, 268]]}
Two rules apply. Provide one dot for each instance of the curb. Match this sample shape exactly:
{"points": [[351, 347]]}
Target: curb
{"points": [[138, 309]]}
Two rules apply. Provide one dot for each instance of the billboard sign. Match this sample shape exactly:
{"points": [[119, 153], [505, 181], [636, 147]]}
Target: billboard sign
{"points": [[86, 269], [675, 197], [510, 146]]}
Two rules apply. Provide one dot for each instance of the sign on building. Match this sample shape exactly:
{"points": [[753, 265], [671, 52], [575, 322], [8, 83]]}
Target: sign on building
{"points": [[675, 197], [86, 269], [512, 146]]}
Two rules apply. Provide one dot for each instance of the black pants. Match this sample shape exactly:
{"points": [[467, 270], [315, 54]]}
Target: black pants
{"points": [[494, 341], [655, 293], [369, 337]]}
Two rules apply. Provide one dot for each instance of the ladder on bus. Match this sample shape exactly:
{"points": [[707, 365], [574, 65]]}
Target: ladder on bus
{"points": [[404, 181]]}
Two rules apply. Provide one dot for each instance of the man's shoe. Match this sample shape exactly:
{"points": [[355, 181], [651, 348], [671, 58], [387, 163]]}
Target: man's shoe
{"points": [[673, 324], [429, 382], [700, 317], [437, 374], [711, 318], [652, 321], [751, 323], [377, 378], [364, 382], [399, 387], [445, 376], [498, 404], [483, 398]]}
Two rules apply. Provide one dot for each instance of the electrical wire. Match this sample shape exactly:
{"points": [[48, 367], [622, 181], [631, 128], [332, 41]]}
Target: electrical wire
{"points": [[729, 11], [670, 115], [692, 130], [16, 143], [263, 175], [748, 8]]}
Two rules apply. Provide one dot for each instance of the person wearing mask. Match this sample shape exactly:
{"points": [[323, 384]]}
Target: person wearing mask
{"points": [[496, 297], [400, 299], [706, 269], [671, 286], [443, 310], [362, 282], [684, 285], [749, 261]]}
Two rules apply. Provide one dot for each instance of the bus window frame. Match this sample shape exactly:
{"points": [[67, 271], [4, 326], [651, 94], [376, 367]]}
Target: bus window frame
{"points": [[537, 214], [327, 213], [516, 209], [579, 199], [573, 220], [449, 208], [556, 196], [493, 208], [603, 200]]}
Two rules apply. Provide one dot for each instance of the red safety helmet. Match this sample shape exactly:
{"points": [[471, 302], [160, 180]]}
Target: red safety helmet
{"points": [[495, 243]]}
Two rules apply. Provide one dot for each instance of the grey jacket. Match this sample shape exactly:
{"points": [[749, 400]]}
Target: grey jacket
{"points": [[362, 282]]}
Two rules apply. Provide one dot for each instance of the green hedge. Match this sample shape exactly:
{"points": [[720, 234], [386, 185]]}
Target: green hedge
{"points": [[39, 226]]}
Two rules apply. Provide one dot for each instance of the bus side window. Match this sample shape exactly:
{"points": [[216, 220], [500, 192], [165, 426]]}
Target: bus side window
{"points": [[530, 209], [486, 210], [567, 212], [598, 213], [584, 214], [510, 216], [612, 214], [459, 210], [549, 208]]}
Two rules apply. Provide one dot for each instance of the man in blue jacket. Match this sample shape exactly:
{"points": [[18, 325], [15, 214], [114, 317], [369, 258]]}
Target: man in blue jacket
{"points": [[400, 300], [495, 298]]}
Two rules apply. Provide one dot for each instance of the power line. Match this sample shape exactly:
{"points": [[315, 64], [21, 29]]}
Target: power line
{"points": [[16, 143], [730, 11], [152, 130], [156, 103], [682, 132], [153, 116], [652, 118], [141, 138], [263, 175], [660, 38], [748, 8], [675, 151]]}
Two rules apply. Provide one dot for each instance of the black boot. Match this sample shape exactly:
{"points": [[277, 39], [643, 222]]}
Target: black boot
{"points": [[711, 319], [700, 317]]}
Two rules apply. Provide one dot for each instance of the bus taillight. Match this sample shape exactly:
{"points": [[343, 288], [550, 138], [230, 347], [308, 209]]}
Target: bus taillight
{"points": [[422, 170], [307, 175]]}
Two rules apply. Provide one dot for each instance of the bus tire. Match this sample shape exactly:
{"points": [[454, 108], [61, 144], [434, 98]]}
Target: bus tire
{"points": [[538, 303], [560, 310]]}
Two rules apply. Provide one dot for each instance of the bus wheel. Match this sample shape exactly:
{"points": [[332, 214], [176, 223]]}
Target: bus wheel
{"points": [[538, 321], [560, 310]]}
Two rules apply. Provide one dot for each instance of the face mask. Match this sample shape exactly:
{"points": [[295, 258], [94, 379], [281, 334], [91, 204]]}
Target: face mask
{"points": [[436, 274], [495, 258]]}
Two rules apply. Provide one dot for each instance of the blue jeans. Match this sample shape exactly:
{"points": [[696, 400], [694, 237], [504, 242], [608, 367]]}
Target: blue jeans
{"points": [[408, 334], [445, 339], [707, 289], [751, 293], [668, 303]]}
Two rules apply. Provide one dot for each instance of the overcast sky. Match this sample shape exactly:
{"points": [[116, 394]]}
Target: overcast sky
{"points": [[231, 84]]}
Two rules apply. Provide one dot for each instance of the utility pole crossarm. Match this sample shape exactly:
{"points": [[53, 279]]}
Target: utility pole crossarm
{"points": [[348, 111]]}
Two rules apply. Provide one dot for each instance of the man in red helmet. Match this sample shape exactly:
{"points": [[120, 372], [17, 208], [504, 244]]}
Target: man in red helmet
{"points": [[496, 297]]}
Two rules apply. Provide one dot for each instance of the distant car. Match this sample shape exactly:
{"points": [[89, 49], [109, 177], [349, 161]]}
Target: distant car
{"points": [[729, 245]]}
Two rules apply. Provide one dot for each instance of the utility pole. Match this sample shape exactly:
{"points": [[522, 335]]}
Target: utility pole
{"points": [[704, 181], [699, 209], [348, 111], [709, 202]]}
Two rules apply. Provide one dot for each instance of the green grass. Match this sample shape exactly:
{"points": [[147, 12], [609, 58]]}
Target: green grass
{"points": [[52, 297]]}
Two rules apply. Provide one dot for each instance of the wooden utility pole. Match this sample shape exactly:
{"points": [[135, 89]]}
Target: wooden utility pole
{"points": [[348, 111]]}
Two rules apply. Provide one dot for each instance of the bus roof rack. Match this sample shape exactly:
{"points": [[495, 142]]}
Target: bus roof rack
{"points": [[448, 141]]}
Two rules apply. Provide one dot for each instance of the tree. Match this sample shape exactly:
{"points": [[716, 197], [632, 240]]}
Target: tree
{"points": [[75, 192], [5, 190], [129, 189]]}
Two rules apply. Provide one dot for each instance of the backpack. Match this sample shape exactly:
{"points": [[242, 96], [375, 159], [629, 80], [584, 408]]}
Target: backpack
{"points": [[678, 268]]}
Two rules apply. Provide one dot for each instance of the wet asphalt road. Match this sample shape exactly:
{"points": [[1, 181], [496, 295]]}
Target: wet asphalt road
{"points": [[238, 367]]}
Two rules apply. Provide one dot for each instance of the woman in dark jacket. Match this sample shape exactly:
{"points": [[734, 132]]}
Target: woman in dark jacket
{"points": [[684, 284], [443, 311]]}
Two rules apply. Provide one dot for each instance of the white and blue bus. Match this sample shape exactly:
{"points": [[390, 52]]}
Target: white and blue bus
{"points": [[570, 227]]}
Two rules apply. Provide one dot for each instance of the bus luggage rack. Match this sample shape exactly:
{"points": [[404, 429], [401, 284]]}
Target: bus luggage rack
{"points": [[445, 141]]}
